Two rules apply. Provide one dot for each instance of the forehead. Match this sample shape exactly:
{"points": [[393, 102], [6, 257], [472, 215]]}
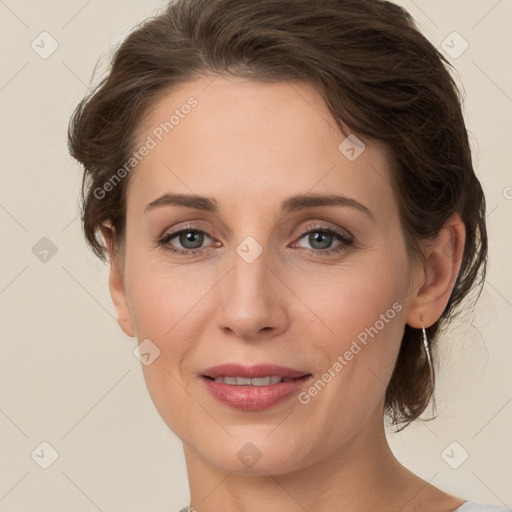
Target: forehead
{"points": [[238, 139]]}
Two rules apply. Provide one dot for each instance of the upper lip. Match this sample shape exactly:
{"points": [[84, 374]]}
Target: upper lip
{"points": [[252, 372]]}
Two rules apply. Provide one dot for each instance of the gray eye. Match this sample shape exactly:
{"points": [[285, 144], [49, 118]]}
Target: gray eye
{"points": [[320, 239], [190, 239]]}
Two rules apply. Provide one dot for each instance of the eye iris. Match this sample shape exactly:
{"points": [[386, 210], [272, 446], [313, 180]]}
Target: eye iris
{"points": [[193, 237], [322, 236]]}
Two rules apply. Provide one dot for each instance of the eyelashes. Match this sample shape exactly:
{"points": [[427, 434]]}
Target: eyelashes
{"points": [[344, 240], [164, 242]]}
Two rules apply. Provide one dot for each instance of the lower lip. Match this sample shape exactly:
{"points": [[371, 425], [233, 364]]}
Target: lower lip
{"points": [[254, 398]]}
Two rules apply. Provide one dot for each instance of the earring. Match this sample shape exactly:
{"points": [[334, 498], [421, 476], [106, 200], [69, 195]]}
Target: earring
{"points": [[427, 352]]}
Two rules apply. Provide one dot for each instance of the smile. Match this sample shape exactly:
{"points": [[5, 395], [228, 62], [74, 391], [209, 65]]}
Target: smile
{"points": [[245, 381]]}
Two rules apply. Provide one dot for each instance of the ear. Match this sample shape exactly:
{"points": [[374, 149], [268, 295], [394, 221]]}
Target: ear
{"points": [[116, 281], [436, 278]]}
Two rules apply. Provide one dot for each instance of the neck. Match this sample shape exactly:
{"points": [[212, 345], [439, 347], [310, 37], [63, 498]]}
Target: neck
{"points": [[363, 474]]}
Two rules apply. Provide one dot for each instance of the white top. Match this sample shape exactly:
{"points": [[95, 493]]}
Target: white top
{"points": [[467, 506], [474, 506]]}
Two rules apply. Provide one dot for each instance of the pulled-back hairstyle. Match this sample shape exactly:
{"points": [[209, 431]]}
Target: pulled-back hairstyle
{"points": [[378, 75]]}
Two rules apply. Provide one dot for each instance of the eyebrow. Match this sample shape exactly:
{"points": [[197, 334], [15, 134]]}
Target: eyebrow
{"points": [[292, 204]]}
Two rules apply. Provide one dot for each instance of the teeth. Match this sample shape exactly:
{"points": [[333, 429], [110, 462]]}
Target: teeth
{"points": [[245, 381]]}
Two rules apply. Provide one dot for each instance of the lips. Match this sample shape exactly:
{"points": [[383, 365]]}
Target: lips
{"points": [[253, 388]]}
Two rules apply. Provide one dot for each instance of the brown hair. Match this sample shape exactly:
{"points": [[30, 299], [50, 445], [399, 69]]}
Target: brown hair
{"points": [[377, 74]]}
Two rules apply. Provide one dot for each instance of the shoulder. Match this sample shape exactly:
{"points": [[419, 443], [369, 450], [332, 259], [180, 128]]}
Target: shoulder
{"points": [[474, 506], [467, 506]]}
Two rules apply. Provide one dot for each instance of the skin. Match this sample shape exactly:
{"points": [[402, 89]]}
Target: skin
{"points": [[249, 146]]}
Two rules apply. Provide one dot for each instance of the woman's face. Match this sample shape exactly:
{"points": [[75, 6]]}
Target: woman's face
{"points": [[320, 289]]}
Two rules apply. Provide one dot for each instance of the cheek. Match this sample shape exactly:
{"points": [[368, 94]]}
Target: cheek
{"points": [[361, 311], [167, 307], [165, 310], [163, 300], [354, 296]]}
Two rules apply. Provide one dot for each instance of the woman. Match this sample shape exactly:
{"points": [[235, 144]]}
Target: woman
{"points": [[287, 200]]}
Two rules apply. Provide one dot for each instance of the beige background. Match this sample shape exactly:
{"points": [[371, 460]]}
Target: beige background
{"points": [[68, 373]]}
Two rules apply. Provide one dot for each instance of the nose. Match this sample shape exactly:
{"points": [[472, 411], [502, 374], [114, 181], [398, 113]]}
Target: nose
{"points": [[252, 301]]}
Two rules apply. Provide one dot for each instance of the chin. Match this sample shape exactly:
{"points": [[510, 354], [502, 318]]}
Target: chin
{"points": [[254, 454]]}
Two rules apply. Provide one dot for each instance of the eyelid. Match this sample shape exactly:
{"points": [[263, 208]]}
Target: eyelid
{"points": [[191, 225], [174, 232], [319, 226], [345, 238]]}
